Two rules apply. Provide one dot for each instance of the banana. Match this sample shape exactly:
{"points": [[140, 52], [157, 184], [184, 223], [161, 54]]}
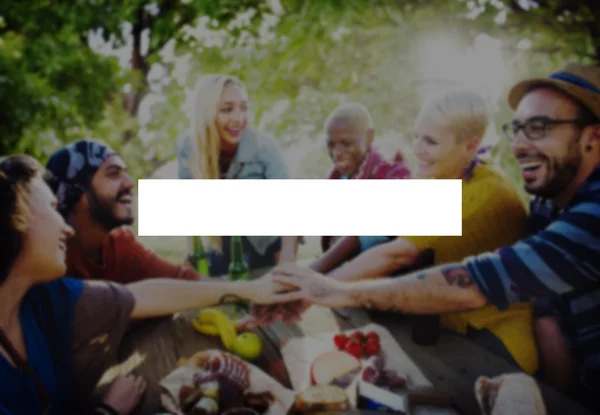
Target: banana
{"points": [[226, 331], [208, 329], [209, 315], [215, 322]]}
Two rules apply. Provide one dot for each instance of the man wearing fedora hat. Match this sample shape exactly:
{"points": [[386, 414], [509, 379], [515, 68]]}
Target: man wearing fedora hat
{"points": [[555, 137]]}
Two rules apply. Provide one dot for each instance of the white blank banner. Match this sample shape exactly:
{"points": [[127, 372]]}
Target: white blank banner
{"points": [[299, 207]]}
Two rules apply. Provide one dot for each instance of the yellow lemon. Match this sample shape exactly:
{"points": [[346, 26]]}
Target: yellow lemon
{"points": [[247, 346]]}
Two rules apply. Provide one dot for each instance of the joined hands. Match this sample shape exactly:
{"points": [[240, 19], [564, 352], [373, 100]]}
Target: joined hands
{"points": [[297, 289]]}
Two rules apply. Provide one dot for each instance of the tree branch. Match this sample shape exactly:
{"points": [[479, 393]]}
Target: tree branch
{"points": [[169, 6], [515, 7], [161, 44]]}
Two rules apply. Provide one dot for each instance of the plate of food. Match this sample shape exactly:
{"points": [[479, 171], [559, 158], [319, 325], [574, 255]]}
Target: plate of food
{"points": [[325, 364], [218, 383]]}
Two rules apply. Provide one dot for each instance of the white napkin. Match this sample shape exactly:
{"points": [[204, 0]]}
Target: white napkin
{"points": [[509, 394]]}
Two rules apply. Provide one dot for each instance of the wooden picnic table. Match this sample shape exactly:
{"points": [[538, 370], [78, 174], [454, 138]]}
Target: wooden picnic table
{"points": [[153, 348]]}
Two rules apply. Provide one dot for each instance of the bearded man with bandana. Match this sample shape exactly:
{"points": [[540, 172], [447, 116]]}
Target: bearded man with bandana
{"points": [[95, 193]]}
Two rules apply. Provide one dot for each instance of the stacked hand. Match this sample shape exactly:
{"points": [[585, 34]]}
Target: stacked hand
{"points": [[297, 288]]}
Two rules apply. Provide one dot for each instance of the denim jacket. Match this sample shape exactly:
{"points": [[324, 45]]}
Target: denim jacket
{"points": [[258, 157]]}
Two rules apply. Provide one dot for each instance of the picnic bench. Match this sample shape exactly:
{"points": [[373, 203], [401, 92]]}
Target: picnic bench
{"points": [[153, 348]]}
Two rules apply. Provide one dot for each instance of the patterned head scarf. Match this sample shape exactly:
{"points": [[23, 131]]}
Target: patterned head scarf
{"points": [[73, 167]]}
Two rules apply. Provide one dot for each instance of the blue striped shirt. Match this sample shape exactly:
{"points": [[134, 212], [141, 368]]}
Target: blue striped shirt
{"points": [[560, 260]]}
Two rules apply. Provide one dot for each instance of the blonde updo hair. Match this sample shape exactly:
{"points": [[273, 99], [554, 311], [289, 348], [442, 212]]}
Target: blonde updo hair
{"points": [[463, 111]]}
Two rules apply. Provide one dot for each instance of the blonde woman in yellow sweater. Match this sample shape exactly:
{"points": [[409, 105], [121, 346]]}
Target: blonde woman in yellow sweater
{"points": [[448, 134]]}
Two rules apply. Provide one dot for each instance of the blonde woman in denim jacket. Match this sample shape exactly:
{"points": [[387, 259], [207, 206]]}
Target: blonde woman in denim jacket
{"points": [[221, 145]]}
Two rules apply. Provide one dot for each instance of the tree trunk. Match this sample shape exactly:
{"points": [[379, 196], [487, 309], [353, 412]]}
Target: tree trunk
{"points": [[594, 28], [140, 70]]}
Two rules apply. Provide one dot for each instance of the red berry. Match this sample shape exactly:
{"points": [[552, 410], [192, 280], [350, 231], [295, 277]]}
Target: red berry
{"points": [[373, 335], [371, 375], [354, 348], [393, 380], [358, 336], [372, 347], [340, 341]]}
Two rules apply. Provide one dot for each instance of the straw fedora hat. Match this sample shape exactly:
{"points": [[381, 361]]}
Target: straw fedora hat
{"points": [[581, 82]]}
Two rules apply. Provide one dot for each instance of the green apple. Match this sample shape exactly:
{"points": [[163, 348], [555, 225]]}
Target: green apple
{"points": [[247, 346]]}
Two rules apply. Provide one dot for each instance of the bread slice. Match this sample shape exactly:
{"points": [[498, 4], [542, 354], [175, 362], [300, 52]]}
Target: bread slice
{"points": [[322, 398]]}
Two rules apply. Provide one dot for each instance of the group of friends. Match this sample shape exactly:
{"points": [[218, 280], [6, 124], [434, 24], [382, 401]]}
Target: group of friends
{"points": [[524, 283]]}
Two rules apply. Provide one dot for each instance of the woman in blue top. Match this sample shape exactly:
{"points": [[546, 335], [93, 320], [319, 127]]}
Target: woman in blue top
{"points": [[59, 335], [221, 145]]}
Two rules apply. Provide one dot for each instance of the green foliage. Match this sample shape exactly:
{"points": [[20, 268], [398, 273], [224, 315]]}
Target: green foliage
{"points": [[299, 60], [55, 88], [52, 88]]}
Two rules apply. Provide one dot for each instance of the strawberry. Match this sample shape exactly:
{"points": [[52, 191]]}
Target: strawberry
{"points": [[372, 348], [358, 336], [354, 348], [373, 335], [340, 341]]}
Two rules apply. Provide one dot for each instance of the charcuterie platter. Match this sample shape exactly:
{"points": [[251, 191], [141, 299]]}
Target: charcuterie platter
{"points": [[360, 369], [218, 383], [364, 369]]}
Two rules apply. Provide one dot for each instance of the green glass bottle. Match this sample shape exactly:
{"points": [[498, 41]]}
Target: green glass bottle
{"points": [[238, 269], [199, 259]]}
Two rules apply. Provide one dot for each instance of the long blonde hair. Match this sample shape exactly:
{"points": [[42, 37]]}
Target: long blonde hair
{"points": [[207, 95]]}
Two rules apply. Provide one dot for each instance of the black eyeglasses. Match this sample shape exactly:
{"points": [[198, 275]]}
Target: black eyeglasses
{"points": [[536, 128]]}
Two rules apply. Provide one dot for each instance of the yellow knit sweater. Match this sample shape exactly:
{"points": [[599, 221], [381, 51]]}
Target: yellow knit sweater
{"points": [[493, 216]]}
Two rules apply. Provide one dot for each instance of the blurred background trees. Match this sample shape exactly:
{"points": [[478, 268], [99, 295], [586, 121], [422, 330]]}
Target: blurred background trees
{"points": [[123, 71]]}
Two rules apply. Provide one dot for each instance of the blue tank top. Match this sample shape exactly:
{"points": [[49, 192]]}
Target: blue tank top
{"points": [[46, 319]]}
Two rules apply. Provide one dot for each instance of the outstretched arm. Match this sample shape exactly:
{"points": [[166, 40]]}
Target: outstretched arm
{"points": [[160, 297], [560, 259], [435, 290], [344, 249], [379, 261], [289, 248]]}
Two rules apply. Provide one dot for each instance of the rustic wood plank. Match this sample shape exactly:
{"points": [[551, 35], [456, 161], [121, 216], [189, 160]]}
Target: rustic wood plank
{"points": [[152, 349], [156, 346], [455, 363]]}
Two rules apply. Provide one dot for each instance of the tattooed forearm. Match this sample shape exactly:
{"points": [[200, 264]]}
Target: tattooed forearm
{"points": [[386, 301], [440, 289], [457, 275]]}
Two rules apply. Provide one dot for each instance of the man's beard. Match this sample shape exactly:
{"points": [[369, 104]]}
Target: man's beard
{"points": [[561, 172], [101, 211]]}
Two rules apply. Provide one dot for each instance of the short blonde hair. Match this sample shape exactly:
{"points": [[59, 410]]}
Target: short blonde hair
{"points": [[352, 112], [463, 111], [207, 95]]}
